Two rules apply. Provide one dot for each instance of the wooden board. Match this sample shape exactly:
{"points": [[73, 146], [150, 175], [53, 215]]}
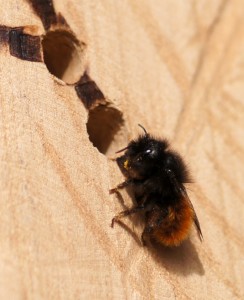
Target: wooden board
{"points": [[76, 79]]}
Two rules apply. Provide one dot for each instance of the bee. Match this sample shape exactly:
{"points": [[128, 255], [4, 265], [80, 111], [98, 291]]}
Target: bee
{"points": [[156, 175]]}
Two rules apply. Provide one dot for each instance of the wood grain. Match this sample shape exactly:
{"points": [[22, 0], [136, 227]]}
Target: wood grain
{"points": [[175, 67]]}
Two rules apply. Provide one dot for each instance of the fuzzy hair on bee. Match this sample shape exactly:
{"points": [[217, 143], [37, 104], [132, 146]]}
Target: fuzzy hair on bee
{"points": [[157, 175]]}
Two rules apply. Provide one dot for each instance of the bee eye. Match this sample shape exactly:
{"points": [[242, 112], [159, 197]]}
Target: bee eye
{"points": [[150, 153]]}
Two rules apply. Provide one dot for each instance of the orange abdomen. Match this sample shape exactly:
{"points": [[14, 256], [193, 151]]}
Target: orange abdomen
{"points": [[176, 226]]}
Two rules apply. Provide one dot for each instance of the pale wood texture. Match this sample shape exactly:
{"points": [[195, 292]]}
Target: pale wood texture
{"points": [[177, 67]]}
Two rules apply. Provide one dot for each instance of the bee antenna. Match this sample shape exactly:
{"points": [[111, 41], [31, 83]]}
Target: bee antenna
{"points": [[122, 149], [143, 129]]}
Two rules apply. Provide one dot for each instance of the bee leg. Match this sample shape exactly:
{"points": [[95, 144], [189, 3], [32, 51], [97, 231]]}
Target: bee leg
{"points": [[144, 236], [126, 213], [143, 239], [120, 186], [153, 223]]}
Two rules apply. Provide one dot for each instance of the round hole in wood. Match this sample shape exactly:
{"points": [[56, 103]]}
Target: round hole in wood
{"points": [[63, 55], [105, 128]]}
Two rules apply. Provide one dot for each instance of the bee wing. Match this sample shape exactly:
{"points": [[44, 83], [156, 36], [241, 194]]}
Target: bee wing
{"points": [[195, 219], [182, 191]]}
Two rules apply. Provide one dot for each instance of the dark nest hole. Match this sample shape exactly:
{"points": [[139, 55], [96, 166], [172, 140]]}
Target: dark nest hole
{"points": [[63, 55], [105, 129]]}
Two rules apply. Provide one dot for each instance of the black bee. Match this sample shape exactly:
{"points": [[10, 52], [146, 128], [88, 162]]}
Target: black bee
{"points": [[157, 175]]}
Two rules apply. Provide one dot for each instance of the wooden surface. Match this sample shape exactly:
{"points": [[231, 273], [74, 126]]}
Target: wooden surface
{"points": [[177, 67]]}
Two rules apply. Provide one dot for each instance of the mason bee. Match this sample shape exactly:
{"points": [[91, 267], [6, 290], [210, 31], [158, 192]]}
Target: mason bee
{"points": [[156, 175]]}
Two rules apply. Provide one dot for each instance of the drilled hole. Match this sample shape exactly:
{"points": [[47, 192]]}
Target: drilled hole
{"points": [[105, 129], [63, 55]]}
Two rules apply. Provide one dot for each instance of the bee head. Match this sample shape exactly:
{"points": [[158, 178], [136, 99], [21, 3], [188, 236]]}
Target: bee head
{"points": [[142, 156]]}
